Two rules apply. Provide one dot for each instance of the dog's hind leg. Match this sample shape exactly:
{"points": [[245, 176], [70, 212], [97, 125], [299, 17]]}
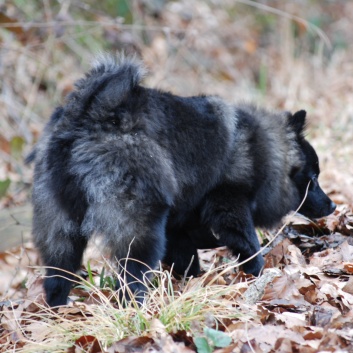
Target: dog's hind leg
{"points": [[134, 232], [143, 253], [227, 213], [59, 279], [61, 246]]}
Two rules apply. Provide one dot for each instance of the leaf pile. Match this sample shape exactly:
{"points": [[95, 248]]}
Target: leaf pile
{"points": [[305, 305]]}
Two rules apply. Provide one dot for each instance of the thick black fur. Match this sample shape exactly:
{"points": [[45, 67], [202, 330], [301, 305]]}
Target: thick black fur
{"points": [[160, 176]]}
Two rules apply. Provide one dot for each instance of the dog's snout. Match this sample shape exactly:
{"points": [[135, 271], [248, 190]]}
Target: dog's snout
{"points": [[332, 206]]}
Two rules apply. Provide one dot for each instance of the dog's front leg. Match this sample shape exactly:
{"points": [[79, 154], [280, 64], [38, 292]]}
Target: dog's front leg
{"points": [[226, 211]]}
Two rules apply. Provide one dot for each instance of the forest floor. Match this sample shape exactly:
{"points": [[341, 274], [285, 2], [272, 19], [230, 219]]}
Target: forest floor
{"points": [[286, 56]]}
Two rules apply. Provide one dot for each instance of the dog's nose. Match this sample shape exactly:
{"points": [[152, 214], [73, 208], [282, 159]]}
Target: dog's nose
{"points": [[332, 206]]}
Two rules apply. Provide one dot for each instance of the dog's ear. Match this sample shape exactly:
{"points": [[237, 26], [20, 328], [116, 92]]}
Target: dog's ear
{"points": [[298, 121]]}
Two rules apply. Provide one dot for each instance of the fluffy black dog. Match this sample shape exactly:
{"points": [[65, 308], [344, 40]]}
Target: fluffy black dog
{"points": [[159, 176]]}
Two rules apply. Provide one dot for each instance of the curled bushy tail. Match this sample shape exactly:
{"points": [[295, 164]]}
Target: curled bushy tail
{"points": [[105, 86], [97, 96]]}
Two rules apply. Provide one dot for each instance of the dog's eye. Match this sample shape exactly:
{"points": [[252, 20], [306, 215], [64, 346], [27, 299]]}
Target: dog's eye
{"points": [[314, 179], [313, 182]]}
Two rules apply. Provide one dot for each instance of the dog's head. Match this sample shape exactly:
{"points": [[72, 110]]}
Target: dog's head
{"points": [[305, 177]]}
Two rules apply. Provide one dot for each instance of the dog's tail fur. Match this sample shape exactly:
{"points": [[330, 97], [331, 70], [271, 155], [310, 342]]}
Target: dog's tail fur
{"points": [[98, 95], [105, 87]]}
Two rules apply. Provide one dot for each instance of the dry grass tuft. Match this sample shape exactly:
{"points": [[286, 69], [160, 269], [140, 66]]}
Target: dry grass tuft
{"points": [[168, 307]]}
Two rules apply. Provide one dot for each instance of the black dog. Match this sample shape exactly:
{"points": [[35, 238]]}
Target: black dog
{"points": [[159, 176]]}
